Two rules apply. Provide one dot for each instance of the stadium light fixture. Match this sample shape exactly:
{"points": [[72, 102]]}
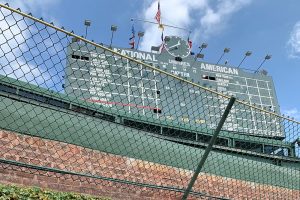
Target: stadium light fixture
{"points": [[199, 54], [87, 23], [226, 50], [267, 57], [248, 53], [140, 35], [113, 29]]}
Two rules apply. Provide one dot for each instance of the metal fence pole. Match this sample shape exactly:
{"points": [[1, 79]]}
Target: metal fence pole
{"points": [[209, 147]]}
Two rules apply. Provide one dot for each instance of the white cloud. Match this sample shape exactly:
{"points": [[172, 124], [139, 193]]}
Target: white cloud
{"points": [[294, 42], [20, 44], [33, 6], [293, 112], [209, 17], [21, 70]]}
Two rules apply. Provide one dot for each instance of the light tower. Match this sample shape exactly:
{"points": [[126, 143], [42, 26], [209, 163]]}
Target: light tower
{"points": [[87, 23], [199, 54], [226, 50], [113, 29], [248, 53], [267, 57], [140, 35]]}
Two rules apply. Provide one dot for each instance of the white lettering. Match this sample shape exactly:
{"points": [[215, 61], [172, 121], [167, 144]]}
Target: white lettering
{"points": [[179, 73], [137, 55], [217, 68], [185, 64]]}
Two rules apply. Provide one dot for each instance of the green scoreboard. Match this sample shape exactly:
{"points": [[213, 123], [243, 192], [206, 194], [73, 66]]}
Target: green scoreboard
{"points": [[115, 82]]}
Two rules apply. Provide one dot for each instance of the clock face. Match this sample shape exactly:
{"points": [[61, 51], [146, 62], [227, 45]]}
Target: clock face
{"points": [[177, 47]]}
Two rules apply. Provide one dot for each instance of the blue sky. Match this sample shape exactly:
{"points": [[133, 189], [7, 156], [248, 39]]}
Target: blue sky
{"points": [[262, 26]]}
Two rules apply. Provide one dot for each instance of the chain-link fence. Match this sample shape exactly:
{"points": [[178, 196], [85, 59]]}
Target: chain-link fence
{"points": [[72, 107]]}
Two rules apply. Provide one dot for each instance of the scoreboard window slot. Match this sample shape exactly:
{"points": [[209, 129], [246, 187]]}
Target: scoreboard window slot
{"points": [[144, 74], [168, 93], [149, 84], [137, 101], [111, 87], [149, 94], [261, 124], [85, 58], [150, 75], [136, 72], [121, 89], [262, 84], [264, 92], [133, 82], [240, 81], [157, 110], [251, 82], [134, 91], [122, 71], [136, 111], [241, 96], [118, 99], [266, 101], [253, 90], [212, 78], [74, 56], [123, 101], [106, 88], [124, 80], [116, 79], [120, 63], [114, 69], [206, 77]]}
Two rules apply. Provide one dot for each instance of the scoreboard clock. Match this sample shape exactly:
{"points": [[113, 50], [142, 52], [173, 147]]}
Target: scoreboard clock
{"points": [[177, 47]]}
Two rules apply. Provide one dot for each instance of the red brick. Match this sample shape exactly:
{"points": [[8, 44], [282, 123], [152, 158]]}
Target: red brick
{"points": [[74, 158]]}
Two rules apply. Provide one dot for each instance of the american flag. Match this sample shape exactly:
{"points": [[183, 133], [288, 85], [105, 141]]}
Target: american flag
{"points": [[157, 16]]}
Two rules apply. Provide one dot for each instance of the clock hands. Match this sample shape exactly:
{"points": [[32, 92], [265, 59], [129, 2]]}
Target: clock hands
{"points": [[175, 46]]}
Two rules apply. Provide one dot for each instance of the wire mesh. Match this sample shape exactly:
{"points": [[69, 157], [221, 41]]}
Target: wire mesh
{"points": [[71, 106]]}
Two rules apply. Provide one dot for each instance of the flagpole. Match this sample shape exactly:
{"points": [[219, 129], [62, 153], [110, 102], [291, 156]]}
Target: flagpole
{"points": [[165, 25]]}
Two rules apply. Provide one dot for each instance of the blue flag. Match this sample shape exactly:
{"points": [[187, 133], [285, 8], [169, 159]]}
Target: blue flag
{"points": [[133, 33], [132, 42]]}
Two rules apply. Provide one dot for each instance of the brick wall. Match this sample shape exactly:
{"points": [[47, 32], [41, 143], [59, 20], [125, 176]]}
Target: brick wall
{"points": [[58, 155]]}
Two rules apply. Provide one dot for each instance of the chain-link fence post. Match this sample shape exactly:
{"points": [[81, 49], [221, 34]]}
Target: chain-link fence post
{"points": [[209, 147]]}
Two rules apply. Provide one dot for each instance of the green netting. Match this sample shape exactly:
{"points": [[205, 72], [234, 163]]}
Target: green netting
{"points": [[86, 110]]}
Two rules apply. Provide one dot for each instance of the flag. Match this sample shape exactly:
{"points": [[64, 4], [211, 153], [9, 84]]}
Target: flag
{"points": [[157, 16], [132, 42], [190, 42], [132, 32]]}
